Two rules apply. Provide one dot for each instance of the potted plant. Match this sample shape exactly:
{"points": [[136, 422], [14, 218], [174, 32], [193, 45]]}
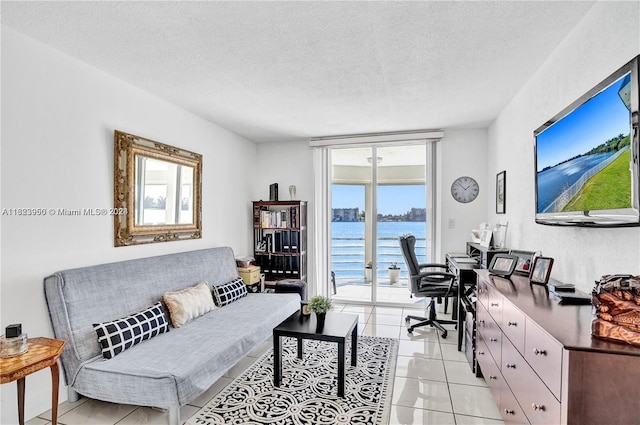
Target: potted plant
{"points": [[394, 272], [319, 305]]}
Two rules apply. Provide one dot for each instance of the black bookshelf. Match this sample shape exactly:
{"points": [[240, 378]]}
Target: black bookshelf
{"points": [[280, 239]]}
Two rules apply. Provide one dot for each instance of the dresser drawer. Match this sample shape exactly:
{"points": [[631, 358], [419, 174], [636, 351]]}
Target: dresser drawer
{"points": [[507, 405], [509, 408], [482, 292], [513, 324], [490, 333], [495, 302], [490, 370], [544, 354], [538, 403]]}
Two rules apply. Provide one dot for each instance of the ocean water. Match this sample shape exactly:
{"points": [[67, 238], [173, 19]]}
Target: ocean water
{"points": [[348, 247]]}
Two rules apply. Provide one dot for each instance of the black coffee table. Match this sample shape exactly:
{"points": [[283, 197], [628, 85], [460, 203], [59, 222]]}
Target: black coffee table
{"points": [[337, 328]]}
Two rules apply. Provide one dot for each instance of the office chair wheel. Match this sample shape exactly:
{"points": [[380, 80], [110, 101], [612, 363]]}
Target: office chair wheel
{"points": [[407, 320], [410, 330], [444, 335]]}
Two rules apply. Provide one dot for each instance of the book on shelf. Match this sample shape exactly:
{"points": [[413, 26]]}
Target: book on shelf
{"points": [[277, 235], [288, 268], [285, 240], [293, 247]]}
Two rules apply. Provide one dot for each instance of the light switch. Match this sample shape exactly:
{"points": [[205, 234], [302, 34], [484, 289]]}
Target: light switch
{"points": [[452, 223]]}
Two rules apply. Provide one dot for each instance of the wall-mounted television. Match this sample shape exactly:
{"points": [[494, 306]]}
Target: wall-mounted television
{"points": [[586, 157]]}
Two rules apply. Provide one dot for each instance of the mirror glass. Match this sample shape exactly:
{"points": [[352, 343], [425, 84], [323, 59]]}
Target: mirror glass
{"points": [[158, 187], [164, 192]]}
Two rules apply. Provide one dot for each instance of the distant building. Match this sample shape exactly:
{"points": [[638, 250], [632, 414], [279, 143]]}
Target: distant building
{"points": [[345, 214], [417, 214]]}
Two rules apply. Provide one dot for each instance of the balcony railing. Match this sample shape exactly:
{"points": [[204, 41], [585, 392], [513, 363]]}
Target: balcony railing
{"points": [[348, 258]]}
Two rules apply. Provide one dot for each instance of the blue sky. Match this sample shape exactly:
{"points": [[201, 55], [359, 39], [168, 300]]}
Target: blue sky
{"points": [[593, 123], [391, 199]]}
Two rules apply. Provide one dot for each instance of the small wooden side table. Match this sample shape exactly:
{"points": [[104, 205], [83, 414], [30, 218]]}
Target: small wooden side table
{"points": [[43, 352]]}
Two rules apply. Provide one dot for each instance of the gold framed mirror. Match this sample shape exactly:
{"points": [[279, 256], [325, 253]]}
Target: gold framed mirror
{"points": [[159, 188]]}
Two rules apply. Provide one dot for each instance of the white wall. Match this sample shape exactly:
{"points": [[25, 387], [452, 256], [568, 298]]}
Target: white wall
{"points": [[289, 163], [604, 40], [58, 118], [462, 153]]}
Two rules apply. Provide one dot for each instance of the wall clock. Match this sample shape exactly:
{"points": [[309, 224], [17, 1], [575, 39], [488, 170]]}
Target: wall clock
{"points": [[465, 189]]}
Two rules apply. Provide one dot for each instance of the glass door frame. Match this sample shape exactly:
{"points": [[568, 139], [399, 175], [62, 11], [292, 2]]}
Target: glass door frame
{"points": [[371, 211]]}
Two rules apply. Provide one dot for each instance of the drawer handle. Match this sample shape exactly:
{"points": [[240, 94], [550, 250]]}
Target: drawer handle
{"points": [[539, 352], [510, 366], [493, 339], [493, 377], [494, 304], [512, 324], [538, 407], [509, 412], [481, 353], [481, 322]]}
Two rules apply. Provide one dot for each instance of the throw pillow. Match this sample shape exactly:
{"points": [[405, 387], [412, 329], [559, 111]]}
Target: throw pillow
{"points": [[189, 303], [229, 292], [118, 335]]}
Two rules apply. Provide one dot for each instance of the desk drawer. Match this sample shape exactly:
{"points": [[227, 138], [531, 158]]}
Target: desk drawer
{"points": [[544, 354], [513, 324], [538, 403]]}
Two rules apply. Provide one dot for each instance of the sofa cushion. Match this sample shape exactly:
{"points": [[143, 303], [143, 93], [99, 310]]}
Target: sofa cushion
{"points": [[229, 292], [189, 303], [118, 335], [175, 367]]}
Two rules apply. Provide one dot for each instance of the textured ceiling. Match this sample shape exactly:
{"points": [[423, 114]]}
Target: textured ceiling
{"points": [[279, 71]]}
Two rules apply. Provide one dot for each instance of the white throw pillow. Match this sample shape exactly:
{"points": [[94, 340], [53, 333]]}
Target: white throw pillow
{"points": [[189, 303]]}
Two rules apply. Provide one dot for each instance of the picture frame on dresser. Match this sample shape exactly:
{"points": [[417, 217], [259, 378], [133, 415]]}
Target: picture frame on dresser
{"points": [[503, 265], [541, 270], [525, 261]]}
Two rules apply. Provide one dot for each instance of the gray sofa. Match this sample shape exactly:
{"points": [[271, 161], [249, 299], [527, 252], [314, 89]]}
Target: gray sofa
{"points": [[171, 369]]}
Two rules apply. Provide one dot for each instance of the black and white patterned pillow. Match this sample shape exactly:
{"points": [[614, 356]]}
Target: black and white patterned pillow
{"points": [[229, 292], [118, 335]]}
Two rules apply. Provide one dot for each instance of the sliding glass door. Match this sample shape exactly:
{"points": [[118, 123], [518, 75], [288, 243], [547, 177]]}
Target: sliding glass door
{"points": [[377, 194]]}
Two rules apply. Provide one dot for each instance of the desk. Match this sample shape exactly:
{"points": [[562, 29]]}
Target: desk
{"points": [[43, 352], [466, 279], [484, 254]]}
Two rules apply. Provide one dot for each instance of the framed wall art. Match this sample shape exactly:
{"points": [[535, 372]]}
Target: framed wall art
{"points": [[501, 189]]}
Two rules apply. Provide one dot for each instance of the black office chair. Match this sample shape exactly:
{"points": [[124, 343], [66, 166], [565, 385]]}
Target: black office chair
{"points": [[426, 280], [333, 281]]}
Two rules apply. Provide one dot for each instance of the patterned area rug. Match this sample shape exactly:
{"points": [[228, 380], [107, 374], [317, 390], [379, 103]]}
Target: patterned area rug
{"points": [[308, 392]]}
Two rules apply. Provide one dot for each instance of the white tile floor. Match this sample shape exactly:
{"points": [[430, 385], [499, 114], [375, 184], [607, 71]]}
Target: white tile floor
{"points": [[433, 384]]}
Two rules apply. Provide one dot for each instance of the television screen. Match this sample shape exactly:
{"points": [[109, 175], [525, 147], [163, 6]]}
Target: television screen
{"points": [[586, 157]]}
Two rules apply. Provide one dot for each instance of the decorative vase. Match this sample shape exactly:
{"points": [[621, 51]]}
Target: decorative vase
{"points": [[292, 192], [320, 321], [394, 275], [368, 274]]}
